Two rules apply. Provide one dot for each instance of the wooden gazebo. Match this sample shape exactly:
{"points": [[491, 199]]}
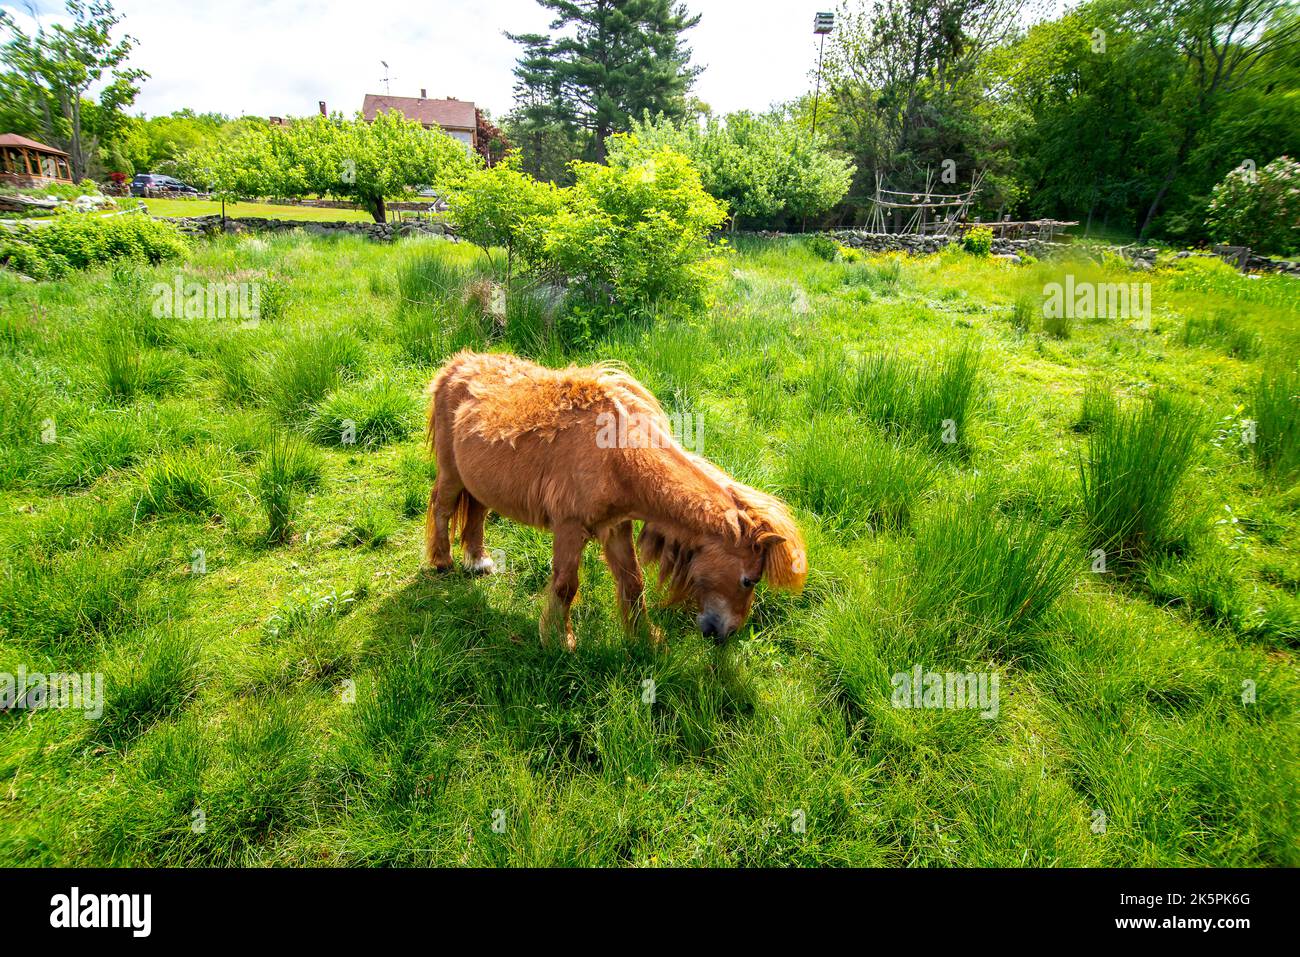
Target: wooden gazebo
{"points": [[30, 165]]}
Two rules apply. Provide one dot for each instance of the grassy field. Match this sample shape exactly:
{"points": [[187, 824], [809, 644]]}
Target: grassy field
{"points": [[304, 696], [206, 207]]}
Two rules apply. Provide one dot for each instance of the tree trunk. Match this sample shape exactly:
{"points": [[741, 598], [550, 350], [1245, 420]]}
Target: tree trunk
{"points": [[1184, 149], [374, 205]]}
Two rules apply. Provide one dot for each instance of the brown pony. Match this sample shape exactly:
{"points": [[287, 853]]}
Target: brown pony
{"points": [[584, 452]]}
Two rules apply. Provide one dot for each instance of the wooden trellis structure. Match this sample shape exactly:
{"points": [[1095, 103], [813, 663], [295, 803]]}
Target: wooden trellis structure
{"points": [[949, 209]]}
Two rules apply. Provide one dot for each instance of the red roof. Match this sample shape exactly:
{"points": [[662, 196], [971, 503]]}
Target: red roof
{"points": [[449, 114], [13, 139]]}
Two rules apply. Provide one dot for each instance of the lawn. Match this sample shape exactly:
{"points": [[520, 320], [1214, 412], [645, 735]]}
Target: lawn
{"points": [[283, 686], [206, 207]]}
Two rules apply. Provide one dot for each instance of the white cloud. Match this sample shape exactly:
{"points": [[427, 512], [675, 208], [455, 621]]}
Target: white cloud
{"points": [[279, 57]]}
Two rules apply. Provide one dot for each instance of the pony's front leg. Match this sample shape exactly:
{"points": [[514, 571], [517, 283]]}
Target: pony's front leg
{"points": [[566, 556], [620, 555]]}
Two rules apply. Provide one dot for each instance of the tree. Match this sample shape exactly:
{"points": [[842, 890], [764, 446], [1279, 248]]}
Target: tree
{"points": [[368, 162], [903, 78], [493, 207], [767, 169], [57, 66], [1218, 42], [607, 62]]}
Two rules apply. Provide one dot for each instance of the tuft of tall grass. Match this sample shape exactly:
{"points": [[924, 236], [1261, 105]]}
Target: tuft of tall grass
{"points": [[975, 568], [379, 411], [105, 443], [1224, 332], [1136, 461], [308, 367], [1275, 405], [188, 480], [1096, 400], [288, 465], [855, 478], [372, 525], [932, 401], [433, 318], [150, 680]]}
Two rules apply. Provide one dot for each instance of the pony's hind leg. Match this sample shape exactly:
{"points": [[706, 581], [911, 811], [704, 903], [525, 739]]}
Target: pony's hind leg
{"points": [[620, 555], [566, 557], [471, 539]]}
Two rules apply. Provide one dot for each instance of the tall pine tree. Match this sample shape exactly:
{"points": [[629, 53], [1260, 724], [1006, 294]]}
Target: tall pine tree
{"points": [[605, 62]]}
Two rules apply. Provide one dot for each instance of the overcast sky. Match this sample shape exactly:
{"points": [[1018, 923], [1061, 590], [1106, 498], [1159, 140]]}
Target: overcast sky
{"points": [[279, 57]]}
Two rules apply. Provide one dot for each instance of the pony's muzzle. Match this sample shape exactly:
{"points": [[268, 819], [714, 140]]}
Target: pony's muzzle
{"points": [[712, 626]]}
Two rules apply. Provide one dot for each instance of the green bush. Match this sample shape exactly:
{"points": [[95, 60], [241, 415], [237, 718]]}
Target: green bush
{"points": [[80, 241], [978, 241], [823, 247], [1258, 208], [635, 232]]}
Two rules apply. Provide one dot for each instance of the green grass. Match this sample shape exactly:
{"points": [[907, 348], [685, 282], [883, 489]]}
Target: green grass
{"points": [[306, 697]]}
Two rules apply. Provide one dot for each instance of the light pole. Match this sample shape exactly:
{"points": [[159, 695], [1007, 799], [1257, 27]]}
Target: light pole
{"points": [[823, 23]]}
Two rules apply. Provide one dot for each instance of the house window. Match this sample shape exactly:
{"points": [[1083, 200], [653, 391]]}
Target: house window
{"points": [[64, 172], [48, 168]]}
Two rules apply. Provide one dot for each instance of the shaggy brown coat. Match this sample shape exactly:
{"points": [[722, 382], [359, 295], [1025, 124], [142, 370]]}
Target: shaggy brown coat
{"points": [[552, 448]]}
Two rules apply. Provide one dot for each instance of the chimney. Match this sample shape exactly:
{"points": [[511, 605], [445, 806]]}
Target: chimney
{"points": [[322, 108], [424, 94]]}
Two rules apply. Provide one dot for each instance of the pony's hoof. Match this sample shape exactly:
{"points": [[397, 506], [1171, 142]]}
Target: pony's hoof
{"points": [[483, 566], [435, 571]]}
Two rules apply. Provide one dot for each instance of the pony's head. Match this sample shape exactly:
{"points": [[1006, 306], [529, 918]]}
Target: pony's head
{"points": [[715, 573]]}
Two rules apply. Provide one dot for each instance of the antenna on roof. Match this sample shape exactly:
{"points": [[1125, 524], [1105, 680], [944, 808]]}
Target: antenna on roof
{"points": [[387, 87]]}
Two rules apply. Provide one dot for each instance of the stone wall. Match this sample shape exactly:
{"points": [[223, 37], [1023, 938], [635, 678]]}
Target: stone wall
{"points": [[383, 232], [925, 245], [1139, 257]]}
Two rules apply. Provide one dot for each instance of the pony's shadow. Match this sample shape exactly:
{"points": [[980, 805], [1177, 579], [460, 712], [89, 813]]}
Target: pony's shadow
{"points": [[545, 695]]}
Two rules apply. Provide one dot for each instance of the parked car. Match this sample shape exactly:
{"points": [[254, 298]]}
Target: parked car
{"points": [[146, 181]]}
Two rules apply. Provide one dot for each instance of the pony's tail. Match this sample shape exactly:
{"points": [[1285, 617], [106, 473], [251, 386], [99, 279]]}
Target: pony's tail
{"points": [[459, 516]]}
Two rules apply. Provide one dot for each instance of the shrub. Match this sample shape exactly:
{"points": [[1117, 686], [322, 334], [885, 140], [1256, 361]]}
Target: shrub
{"points": [[635, 231], [79, 241], [494, 207], [1260, 209], [823, 247], [1136, 461], [978, 241]]}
